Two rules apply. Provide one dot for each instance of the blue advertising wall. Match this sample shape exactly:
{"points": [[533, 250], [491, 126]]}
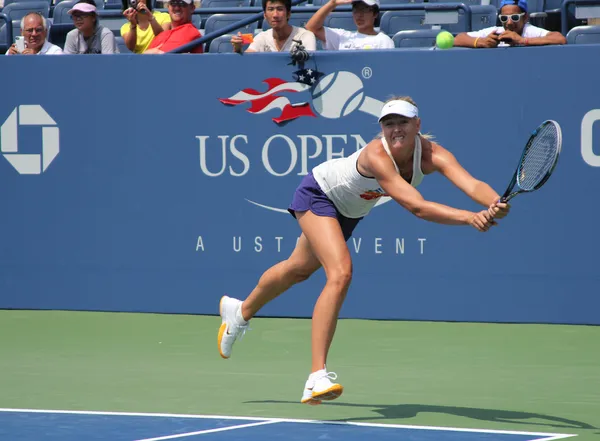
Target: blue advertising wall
{"points": [[132, 184]]}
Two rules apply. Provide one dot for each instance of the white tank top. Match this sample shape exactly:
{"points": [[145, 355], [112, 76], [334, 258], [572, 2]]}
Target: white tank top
{"points": [[353, 194]]}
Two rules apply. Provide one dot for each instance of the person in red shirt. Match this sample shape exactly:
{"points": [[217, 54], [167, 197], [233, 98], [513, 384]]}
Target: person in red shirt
{"points": [[182, 31]]}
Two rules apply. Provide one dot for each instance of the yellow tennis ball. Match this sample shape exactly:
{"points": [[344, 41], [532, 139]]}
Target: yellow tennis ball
{"points": [[444, 40]]}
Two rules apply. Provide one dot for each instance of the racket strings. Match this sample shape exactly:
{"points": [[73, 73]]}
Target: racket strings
{"points": [[539, 158]]}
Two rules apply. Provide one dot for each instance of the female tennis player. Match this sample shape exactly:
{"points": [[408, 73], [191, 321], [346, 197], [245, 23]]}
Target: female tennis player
{"points": [[328, 205]]}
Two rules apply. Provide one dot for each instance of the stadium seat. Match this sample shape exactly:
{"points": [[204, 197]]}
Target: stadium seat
{"points": [[225, 3], [112, 4], [340, 20], [415, 38], [221, 44], [396, 21], [218, 21], [113, 23], [122, 46], [18, 10], [62, 23], [8, 2], [483, 16], [584, 35], [60, 14], [466, 2]]}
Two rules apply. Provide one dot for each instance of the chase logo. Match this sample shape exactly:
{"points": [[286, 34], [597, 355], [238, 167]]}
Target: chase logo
{"points": [[333, 96], [29, 163]]}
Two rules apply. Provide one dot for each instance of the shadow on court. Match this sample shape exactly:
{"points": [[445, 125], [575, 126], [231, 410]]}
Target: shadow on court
{"points": [[405, 411]]}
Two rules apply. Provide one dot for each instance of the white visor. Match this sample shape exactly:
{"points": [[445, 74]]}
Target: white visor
{"points": [[399, 107]]}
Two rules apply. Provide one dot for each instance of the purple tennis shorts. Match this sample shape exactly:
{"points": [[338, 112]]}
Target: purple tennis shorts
{"points": [[309, 196]]}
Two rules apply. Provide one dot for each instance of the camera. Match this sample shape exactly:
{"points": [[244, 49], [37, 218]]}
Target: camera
{"points": [[298, 53]]}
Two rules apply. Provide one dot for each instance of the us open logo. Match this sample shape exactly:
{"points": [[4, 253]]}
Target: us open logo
{"points": [[333, 96], [29, 163]]}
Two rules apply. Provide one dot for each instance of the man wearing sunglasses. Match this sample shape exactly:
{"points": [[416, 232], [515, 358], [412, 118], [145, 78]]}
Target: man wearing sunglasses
{"points": [[182, 30], [515, 30]]}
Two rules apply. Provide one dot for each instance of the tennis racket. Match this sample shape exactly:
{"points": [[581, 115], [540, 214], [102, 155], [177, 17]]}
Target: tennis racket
{"points": [[538, 160]]}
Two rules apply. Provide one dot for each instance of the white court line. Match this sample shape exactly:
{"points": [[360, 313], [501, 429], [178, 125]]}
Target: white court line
{"points": [[200, 432], [545, 436]]}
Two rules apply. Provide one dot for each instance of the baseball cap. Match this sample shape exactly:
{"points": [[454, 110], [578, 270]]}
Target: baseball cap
{"points": [[189, 2], [398, 107], [82, 7], [368, 2], [520, 3]]}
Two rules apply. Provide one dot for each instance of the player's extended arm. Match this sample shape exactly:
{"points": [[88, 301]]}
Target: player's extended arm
{"points": [[447, 165], [380, 166]]}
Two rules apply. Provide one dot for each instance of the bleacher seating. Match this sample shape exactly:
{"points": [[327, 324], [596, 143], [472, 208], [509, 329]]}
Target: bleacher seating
{"points": [[340, 20], [483, 16], [113, 23], [584, 35], [221, 44], [219, 21], [396, 21], [225, 3], [415, 38], [123, 49], [62, 23]]}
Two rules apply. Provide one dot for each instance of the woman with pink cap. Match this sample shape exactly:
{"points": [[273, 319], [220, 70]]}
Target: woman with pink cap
{"points": [[89, 37], [328, 205]]}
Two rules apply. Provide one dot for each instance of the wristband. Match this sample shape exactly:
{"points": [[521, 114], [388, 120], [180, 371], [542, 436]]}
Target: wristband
{"points": [[475, 43]]}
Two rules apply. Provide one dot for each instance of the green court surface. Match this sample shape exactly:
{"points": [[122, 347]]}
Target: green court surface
{"points": [[538, 378]]}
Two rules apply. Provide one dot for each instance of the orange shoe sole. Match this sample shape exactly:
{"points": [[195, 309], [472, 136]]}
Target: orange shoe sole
{"points": [[332, 393], [222, 329]]}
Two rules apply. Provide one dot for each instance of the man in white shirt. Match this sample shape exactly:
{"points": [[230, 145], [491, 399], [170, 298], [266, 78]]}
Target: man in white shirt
{"points": [[34, 29], [364, 13], [515, 30], [281, 36]]}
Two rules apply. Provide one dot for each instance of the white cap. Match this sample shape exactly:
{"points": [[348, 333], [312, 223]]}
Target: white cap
{"points": [[368, 2], [398, 107]]}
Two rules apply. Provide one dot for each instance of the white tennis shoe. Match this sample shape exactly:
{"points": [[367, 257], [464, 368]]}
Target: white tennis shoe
{"points": [[233, 326], [319, 388]]}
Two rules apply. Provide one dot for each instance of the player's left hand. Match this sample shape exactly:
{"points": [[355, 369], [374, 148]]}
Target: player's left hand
{"points": [[498, 210]]}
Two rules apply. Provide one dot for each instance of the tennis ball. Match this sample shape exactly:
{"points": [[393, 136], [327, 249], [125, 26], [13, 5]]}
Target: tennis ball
{"points": [[444, 40]]}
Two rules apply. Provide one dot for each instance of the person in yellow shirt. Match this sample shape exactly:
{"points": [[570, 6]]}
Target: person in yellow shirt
{"points": [[143, 25]]}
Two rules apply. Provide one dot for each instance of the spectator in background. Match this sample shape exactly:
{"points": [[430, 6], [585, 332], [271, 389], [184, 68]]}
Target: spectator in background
{"points": [[144, 24], [515, 30], [364, 13], [34, 29], [281, 35], [89, 36], [182, 30]]}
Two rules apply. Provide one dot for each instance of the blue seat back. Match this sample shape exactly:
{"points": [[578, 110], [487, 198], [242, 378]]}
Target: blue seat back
{"points": [[416, 38], [219, 21], [18, 10], [584, 35], [483, 16], [340, 20]]}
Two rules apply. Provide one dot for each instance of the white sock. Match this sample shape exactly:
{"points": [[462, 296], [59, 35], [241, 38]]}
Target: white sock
{"points": [[239, 317]]}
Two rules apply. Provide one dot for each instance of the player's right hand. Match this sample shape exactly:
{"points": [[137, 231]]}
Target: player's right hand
{"points": [[482, 221]]}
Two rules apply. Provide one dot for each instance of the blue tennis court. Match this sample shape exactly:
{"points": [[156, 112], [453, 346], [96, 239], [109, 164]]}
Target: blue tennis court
{"points": [[56, 425]]}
